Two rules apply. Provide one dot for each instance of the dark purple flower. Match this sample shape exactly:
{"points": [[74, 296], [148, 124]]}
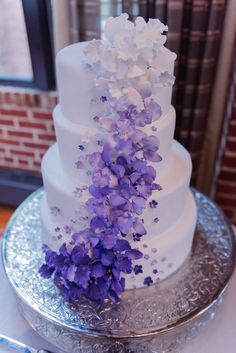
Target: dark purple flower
{"points": [[138, 269], [153, 204], [96, 161], [107, 258], [124, 224], [98, 270], [137, 237], [46, 271], [123, 263], [103, 99], [79, 255], [138, 204], [82, 275], [122, 245], [134, 254], [108, 239], [148, 281], [116, 200]]}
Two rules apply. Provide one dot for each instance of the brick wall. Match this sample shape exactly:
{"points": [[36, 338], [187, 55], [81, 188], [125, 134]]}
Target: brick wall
{"points": [[26, 127], [226, 185]]}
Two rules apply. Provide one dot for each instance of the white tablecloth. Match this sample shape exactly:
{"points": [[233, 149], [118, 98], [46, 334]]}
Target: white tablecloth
{"points": [[218, 337]]}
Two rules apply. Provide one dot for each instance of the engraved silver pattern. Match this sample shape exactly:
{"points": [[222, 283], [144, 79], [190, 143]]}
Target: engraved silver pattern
{"points": [[158, 318]]}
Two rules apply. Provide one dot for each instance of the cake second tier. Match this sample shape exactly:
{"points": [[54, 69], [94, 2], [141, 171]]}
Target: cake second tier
{"points": [[66, 203]]}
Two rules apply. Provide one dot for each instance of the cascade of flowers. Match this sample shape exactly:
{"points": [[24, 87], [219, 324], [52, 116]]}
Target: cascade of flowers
{"points": [[122, 180]]}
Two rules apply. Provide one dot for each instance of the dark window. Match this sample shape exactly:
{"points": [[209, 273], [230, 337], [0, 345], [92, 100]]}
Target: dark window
{"points": [[26, 55]]}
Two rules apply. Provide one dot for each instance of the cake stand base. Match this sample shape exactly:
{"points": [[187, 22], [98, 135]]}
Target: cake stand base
{"points": [[156, 319]]}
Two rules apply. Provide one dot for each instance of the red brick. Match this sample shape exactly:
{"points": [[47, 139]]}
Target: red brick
{"points": [[2, 150], [232, 130], [229, 213], [35, 145], [227, 188], [37, 164], [231, 145], [6, 122], [23, 161], [229, 161], [46, 137], [22, 153], [20, 134], [32, 125], [9, 142], [13, 112], [7, 98], [19, 99], [8, 159], [40, 115], [228, 175], [226, 201]]}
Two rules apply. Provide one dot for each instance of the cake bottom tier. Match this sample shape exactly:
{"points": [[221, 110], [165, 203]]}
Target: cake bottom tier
{"points": [[163, 253]]}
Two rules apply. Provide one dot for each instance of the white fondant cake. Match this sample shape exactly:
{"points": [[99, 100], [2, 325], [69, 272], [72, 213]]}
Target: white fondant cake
{"points": [[169, 215]]}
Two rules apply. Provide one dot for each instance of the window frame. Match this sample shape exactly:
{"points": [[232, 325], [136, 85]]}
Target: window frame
{"points": [[38, 22]]}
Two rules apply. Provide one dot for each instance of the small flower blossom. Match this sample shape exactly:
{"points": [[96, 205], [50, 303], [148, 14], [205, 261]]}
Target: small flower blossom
{"points": [[138, 269], [153, 204], [55, 210], [148, 281], [81, 147]]}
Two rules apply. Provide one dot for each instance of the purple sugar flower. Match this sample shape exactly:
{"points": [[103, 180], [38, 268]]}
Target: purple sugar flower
{"points": [[122, 245], [55, 210], [116, 200], [137, 237], [81, 147], [138, 204], [98, 270], [108, 124], [139, 227], [79, 164], [123, 263], [148, 281], [103, 99], [153, 204], [124, 224], [46, 271], [82, 276], [134, 254], [108, 239], [138, 269], [154, 110], [96, 162], [107, 258]]}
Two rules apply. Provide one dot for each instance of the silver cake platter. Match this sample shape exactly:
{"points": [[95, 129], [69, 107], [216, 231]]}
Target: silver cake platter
{"points": [[157, 319]]}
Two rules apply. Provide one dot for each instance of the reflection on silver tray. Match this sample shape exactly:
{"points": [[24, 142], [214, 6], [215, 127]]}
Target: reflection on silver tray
{"points": [[154, 319]]}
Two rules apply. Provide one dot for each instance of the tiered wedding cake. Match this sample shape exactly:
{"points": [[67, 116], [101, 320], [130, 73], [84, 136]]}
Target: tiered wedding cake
{"points": [[117, 211]]}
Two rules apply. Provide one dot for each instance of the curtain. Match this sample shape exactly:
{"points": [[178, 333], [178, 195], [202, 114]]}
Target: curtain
{"points": [[225, 168], [195, 34]]}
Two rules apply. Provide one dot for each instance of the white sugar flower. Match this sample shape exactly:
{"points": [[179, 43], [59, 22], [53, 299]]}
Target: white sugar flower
{"points": [[134, 98], [117, 25], [93, 49]]}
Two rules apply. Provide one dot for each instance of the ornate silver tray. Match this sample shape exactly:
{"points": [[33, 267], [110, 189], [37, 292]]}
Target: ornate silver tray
{"points": [[157, 319]]}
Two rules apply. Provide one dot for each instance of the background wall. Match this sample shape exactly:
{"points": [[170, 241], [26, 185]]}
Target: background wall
{"points": [[26, 127]]}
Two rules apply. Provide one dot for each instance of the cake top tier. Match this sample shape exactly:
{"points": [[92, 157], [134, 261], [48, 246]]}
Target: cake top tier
{"points": [[130, 59]]}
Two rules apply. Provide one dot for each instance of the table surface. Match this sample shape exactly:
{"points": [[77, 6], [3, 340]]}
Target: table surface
{"points": [[218, 337]]}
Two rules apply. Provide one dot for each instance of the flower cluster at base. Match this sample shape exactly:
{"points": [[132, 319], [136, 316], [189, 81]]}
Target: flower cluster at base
{"points": [[122, 181]]}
